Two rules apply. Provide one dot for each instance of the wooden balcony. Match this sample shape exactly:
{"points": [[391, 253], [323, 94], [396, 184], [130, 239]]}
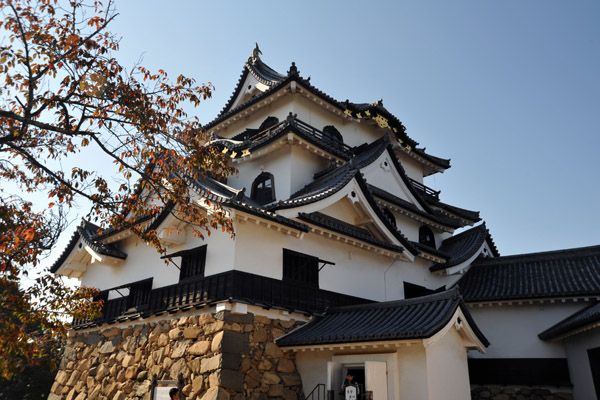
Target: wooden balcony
{"points": [[227, 286]]}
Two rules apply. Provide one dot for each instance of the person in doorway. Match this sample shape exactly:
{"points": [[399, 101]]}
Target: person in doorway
{"points": [[174, 394], [349, 381]]}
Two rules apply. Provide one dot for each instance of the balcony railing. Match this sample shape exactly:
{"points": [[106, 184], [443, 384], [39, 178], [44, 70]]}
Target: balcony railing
{"points": [[308, 130], [231, 285], [425, 189]]}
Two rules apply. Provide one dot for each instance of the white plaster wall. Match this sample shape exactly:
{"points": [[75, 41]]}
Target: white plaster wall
{"points": [[356, 272], [579, 365], [312, 366], [144, 262], [303, 165], [512, 329], [409, 227], [279, 109], [277, 163], [447, 369], [354, 133], [413, 168], [412, 373], [383, 174]]}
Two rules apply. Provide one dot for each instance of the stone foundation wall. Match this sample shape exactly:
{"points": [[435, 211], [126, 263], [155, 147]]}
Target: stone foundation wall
{"points": [[511, 393], [221, 356]]}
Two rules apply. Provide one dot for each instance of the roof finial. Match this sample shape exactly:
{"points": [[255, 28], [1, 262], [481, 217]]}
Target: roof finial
{"points": [[293, 69], [255, 53]]}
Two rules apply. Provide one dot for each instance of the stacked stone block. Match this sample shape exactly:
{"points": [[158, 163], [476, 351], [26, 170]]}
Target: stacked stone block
{"points": [[220, 356]]}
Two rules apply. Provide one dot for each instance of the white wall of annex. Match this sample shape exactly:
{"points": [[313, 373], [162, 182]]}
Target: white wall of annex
{"points": [[512, 329], [412, 373], [447, 369], [579, 364], [312, 366]]}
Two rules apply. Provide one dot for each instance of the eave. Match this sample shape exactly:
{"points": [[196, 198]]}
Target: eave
{"points": [[340, 237]]}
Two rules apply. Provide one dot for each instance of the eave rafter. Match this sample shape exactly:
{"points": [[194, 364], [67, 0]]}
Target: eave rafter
{"points": [[329, 234], [416, 217], [242, 217]]}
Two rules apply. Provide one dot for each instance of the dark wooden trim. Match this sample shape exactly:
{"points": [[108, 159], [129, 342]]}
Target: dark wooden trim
{"points": [[519, 371], [232, 286]]}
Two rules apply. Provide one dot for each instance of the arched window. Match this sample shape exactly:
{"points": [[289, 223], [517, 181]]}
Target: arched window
{"points": [[332, 136], [263, 188], [426, 237], [268, 123], [390, 216]]}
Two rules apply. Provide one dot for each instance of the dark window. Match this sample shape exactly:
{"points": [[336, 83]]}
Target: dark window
{"points": [[263, 189], [594, 357], [332, 136], [193, 263], [426, 237], [519, 371], [139, 294], [390, 216], [411, 290], [300, 268]]}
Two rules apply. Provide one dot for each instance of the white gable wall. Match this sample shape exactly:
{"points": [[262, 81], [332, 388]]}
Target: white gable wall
{"points": [[447, 368], [383, 174], [277, 163]]}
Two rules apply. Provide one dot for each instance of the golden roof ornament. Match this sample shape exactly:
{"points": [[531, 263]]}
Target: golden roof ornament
{"points": [[255, 53]]}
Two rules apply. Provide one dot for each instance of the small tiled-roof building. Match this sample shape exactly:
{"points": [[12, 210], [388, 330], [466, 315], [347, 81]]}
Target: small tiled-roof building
{"points": [[343, 262]]}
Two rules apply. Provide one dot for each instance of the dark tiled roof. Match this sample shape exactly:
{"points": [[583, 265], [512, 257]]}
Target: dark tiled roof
{"points": [[463, 246], [88, 233], [242, 205], [277, 81], [334, 180], [431, 250], [216, 191], [587, 317], [440, 219], [417, 318], [344, 228], [261, 71], [564, 273], [472, 216]]}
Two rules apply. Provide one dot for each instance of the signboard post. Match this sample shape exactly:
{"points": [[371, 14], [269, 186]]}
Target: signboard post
{"points": [[350, 393]]}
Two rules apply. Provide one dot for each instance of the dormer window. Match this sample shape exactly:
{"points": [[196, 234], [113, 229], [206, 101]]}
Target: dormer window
{"points": [[426, 237], [263, 188], [332, 136]]}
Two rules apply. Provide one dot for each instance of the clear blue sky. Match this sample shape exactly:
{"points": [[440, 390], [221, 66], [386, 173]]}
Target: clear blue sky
{"points": [[509, 90]]}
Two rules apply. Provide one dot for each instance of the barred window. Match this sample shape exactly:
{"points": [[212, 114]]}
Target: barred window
{"points": [[300, 268], [193, 263]]}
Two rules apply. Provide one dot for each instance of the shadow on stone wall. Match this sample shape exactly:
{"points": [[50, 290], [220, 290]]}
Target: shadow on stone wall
{"points": [[221, 356]]}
